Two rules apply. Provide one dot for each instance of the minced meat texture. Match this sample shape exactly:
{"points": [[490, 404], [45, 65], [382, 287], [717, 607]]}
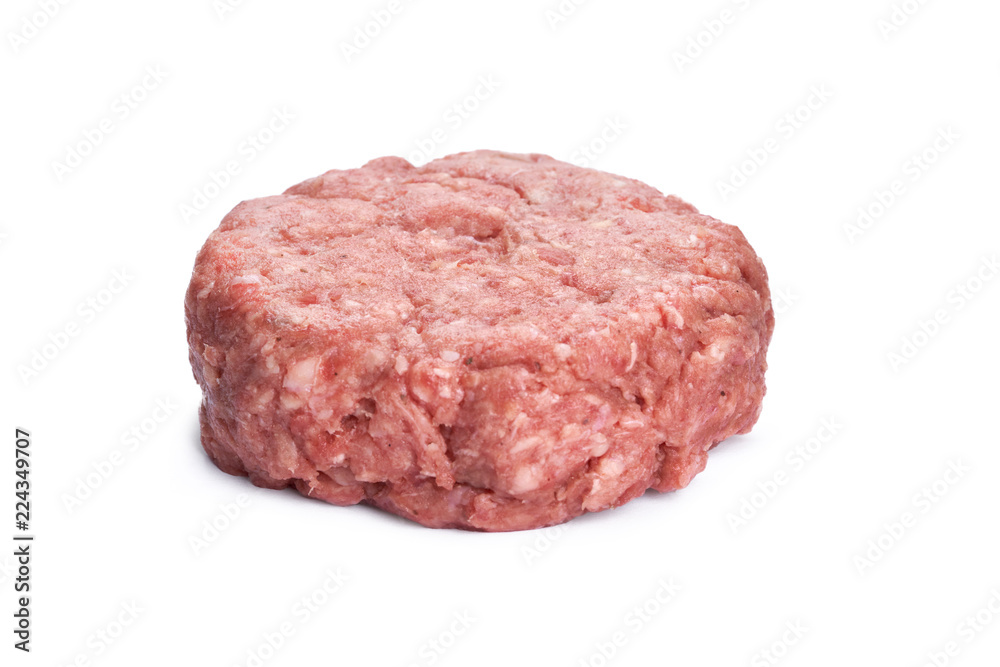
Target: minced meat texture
{"points": [[491, 341]]}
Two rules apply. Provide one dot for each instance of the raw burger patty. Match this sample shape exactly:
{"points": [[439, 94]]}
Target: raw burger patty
{"points": [[490, 341]]}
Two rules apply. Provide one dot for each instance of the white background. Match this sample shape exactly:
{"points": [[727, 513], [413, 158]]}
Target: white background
{"points": [[846, 302]]}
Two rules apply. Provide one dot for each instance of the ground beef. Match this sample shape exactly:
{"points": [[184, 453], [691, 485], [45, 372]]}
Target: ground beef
{"points": [[491, 341]]}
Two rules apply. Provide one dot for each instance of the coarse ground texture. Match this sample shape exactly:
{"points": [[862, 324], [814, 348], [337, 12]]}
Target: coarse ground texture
{"points": [[491, 341]]}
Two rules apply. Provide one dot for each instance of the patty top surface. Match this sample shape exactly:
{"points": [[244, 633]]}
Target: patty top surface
{"points": [[479, 250]]}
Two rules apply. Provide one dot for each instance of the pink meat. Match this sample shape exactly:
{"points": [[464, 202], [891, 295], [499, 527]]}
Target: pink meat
{"points": [[490, 341]]}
